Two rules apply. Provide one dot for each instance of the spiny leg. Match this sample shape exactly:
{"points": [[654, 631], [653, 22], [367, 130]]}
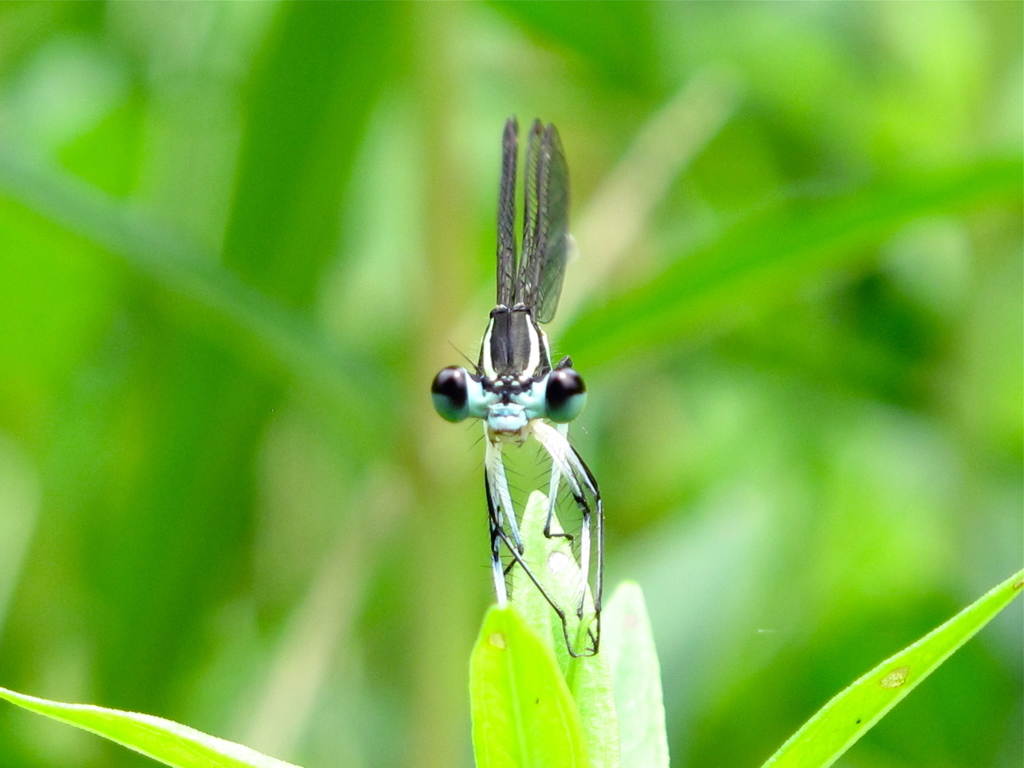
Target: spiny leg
{"points": [[549, 439], [566, 462], [587, 477], [494, 467], [497, 534], [557, 473], [563, 620], [498, 537]]}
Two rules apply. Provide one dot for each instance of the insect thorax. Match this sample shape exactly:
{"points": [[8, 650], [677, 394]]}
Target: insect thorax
{"points": [[514, 346]]}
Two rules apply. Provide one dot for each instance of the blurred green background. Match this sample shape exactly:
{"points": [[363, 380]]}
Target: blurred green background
{"points": [[237, 241]]}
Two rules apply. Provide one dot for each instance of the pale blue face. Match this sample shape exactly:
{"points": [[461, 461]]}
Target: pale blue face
{"points": [[506, 404], [522, 408], [507, 419]]}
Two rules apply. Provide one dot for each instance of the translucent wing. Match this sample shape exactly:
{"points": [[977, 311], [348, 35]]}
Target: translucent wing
{"points": [[545, 223], [507, 213]]}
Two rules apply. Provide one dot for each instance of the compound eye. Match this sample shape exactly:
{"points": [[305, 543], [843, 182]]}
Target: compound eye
{"points": [[451, 394], [565, 395]]}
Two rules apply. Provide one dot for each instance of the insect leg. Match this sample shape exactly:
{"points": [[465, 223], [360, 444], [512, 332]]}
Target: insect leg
{"points": [[563, 619], [494, 519], [495, 470], [568, 464], [587, 479]]}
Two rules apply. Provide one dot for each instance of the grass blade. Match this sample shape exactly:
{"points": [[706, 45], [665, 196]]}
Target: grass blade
{"points": [[164, 740], [847, 717]]}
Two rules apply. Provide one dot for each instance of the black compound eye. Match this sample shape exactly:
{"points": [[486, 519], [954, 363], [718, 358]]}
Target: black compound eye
{"points": [[450, 394], [565, 396]]}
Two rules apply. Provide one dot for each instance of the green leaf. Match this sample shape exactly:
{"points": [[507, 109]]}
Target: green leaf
{"points": [[163, 740], [636, 675], [589, 677], [523, 713], [847, 717]]}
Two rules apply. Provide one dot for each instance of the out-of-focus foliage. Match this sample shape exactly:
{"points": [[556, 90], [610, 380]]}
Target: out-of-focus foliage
{"points": [[237, 240]]}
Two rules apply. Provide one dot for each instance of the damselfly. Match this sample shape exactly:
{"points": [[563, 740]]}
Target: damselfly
{"points": [[518, 394]]}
